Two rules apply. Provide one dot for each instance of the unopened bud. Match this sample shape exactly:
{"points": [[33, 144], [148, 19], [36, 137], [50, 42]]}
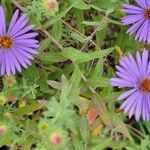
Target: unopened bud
{"points": [[2, 130], [56, 139]]}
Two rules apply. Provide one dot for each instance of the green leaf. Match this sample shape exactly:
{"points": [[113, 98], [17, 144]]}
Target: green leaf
{"points": [[145, 142], [78, 37], [98, 70], [98, 82], [80, 4], [28, 143], [57, 18], [55, 84], [31, 73], [28, 109], [5, 140], [79, 19], [80, 57], [103, 143], [73, 54], [57, 30], [103, 4], [115, 22], [51, 57], [92, 23], [78, 145], [42, 82]]}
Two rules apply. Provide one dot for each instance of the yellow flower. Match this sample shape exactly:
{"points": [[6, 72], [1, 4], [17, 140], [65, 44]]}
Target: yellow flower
{"points": [[9, 80], [43, 126], [3, 100], [51, 5], [97, 131]]}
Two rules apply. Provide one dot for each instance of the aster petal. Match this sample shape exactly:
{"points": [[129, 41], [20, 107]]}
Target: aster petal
{"points": [[146, 37], [125, 72], [145, 62], [12, 66], [126, 94], [148, 102], [141, 3], [27, 49], [139, 34], [148, 3], [130, 100], [26, 36], [133, 11], [147, 109], [138, 108], [125, 62], [26, 42], [7, 59], [20, 58], [132, 7], [133, 62], [120, 82], [19, 24], [130, 19], [139, 62], [135, 26], [24, 53], [124, 77], [13, 20], [148, 34], [148, 70], [24, 60], [144, 109], [24, 30], [2, 22], [15, 61], [3, 65], [131, 104], [28, 45], [144, 31], [133, 108], [1, 56]]}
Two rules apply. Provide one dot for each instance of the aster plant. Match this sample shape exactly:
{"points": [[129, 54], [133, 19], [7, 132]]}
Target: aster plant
{"points": [[44, 9], [139, 17], [17, 44], [135, 76]]}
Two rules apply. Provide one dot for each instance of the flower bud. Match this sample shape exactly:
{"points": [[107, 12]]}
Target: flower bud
{"points": [[51, 6], [9, 80], [55, 139], [2, 130]]}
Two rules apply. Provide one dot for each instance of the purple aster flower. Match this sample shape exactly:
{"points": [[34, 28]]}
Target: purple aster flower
{"points": [[139, 18], [16, 43], [135, 75]]}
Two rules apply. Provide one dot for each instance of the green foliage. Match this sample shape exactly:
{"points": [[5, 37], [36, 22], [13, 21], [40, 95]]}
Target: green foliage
{"points": [[80, 43]]}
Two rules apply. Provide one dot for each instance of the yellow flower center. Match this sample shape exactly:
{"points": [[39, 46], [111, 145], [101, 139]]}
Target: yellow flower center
{"points": [[6, 42], [145, 85], [147, 13]]}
